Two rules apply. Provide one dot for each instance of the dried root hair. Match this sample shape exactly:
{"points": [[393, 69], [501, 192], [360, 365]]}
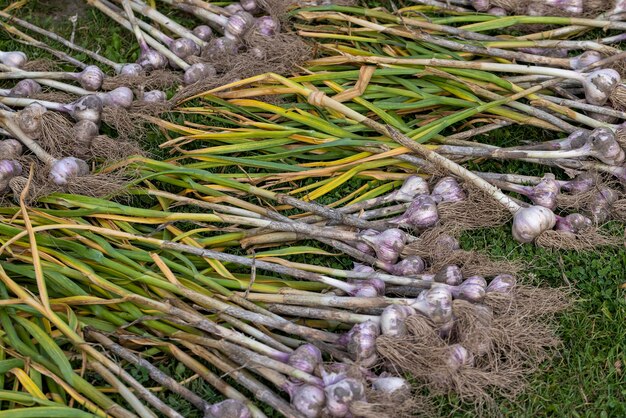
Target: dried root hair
{"points": [[618, 97], [282, 54], [479, 210], [582, 201], [396, 405], [588, 240], [41, 64], [471, 262], [56, 96], [56, 134], [155, 80], [94, 184], [131, 123], [423, 354]]}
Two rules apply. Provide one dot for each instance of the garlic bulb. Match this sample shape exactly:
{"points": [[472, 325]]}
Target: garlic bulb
{"points": [[470, 291], [422, 213], [574, 223], [198, 72], [580, 184], [448, 190], [11, 148], [86, 108], [530, 222], [390, 385], [154, 96], [267, 26], [435, 303], [388, 244], [413, 186], [362, 341], [306, 358], [502, 283], [600, 207], [151, 60], [450, 275], [131, 70], [599, 85], [8, 170], [584, 60], [238, 24], [363, 246], [309, 400], [410, 266], [497, 11], [230, 408], [392, 320], [84, 132], [606, 148], [203, 32], [340, 395], [459, 357], [447, 242], [546, 192], [29, 119], [481, 5], [119, 97], [25, 88], [15, 59], [65, 169], [250, 6], [184, 47], [91, 78], [362, 268]]}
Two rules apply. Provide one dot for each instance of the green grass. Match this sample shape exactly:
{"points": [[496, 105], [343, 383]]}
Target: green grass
{"points": [[588, 377]]}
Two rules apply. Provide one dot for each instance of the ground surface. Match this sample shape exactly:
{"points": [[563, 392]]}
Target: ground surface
{"points": [[589, 376]]}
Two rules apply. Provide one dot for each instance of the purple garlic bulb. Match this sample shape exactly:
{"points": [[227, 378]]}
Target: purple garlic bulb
{"points": [[230, 408], [388, 244], [599, 84], [580, 184], [409, 267], [309, 400], [448, 190], [546, 192], [362, 343], [198, 72], [584, 60], [131, 70], [421, 214], [65, 169], [87, 108], [267, 26], [574, 223], [364, 247], [459, 357], [8, 170], [15, 59], [497, 11], [11, 148], [600, 207], [447, 242], [470, 290], [362, 268], [203, 32], [370, 288], [25, 88], [481, 5], [250, 6], [392, 320], [436, 304], [238, 24], [450, 275], [530, 222], [390, 385], [605, 146], [154, 96], [502, 283], [91, 78], [340, 395], [234, 8], [412, 186], [184, 47], [306, 358], [30, 119], [119, 97], [151, 60], [222, 46]]}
